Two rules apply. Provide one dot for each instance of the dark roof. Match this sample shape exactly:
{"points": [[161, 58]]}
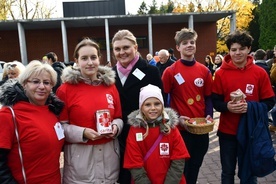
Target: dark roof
{"points": [[114, 20]]}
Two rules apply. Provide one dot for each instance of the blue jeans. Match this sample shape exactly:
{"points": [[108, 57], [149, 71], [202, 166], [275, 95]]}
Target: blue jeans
{"points": [[228, 159]]}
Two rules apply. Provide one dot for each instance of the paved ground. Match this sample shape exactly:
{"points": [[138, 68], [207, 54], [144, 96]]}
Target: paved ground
{"points": [[211, 169]]}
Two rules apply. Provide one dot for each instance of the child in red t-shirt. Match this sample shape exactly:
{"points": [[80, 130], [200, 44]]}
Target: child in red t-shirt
{"points": [[155, 151]]}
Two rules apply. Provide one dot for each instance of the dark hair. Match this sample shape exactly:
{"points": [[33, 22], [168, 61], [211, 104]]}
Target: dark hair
{"points": [[260, 54], [52, 56], [269, 54], [241, 37], [171, 50]]}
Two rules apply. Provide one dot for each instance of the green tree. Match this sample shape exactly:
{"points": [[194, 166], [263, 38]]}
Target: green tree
{"points": [[267, 23], [153, 9], [166, 8], [143, 9], [254, 28], [170, 6]]}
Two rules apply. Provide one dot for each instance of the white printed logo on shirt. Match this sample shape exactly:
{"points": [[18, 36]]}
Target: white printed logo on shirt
{"points": [[249, 89], [109, 98], [164, 148], [199, 82]]}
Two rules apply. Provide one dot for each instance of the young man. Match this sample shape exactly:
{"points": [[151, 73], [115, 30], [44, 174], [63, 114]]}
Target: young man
{"points": [[189, 84], [238, 72]]}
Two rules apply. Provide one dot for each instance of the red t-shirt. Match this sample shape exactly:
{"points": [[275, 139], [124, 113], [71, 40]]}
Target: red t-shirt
{"points": [[188, 86], [171, 147], [252, 80], [83, 100], [39, 143]]}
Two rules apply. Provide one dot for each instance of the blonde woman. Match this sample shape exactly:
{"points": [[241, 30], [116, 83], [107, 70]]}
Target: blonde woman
{"points": [[12, 70]]}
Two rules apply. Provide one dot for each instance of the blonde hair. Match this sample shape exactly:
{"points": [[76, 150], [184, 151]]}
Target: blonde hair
{"points": [[15, 66], [124, 34], [164, 127], [35, 68], [220, 56]]}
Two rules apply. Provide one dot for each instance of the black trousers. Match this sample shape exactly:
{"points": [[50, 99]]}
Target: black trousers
{"points": [[197, 146]]}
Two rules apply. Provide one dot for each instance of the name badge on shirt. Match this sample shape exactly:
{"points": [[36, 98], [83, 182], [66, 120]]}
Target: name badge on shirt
{"points": [[139, 136], [138, 73], [59, 131], [179, 78]]}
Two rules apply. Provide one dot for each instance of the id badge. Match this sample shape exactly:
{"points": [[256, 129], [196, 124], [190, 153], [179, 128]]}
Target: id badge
{"points": [[59, 131]]}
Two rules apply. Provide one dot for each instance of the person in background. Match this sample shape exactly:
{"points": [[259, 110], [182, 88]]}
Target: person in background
{"points": [[152, 121], [260, 60], [52, 59], [151, 60], [132, 73], [217, 62], [91, 153], [209, 63], [271, 57], [171, 52], [40, 135], [238, 72], [164, 62], [12, 70], [156, 57], [189, 84], [272, 127]]}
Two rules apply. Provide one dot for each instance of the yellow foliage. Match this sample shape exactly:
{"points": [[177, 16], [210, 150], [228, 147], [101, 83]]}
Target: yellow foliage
{"points": [[244, 15], [3, 10]]}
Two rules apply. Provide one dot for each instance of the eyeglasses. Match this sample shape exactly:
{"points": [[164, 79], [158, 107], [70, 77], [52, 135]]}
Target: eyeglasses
{"points": [[38, 82], [11, 66]]}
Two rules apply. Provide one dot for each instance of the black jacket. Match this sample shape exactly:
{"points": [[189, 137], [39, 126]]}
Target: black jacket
{"points": [[129, 93], [58, 67], [162, 67]]}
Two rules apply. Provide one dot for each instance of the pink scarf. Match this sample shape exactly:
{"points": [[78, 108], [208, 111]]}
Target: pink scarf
{"points": [[126, 71]]}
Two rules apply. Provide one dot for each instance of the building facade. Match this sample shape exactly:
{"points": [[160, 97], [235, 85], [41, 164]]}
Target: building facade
{"points": [[26, 40]]}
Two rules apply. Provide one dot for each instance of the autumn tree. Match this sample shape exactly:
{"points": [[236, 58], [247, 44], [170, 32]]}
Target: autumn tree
{"points": [[27, 9], [267, 22], [244, 15], [4, 7]]}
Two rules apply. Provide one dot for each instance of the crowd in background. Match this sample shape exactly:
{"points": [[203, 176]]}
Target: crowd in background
{"points": [[126, 123]]}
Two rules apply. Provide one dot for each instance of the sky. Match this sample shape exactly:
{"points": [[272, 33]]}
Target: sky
{"points": [[132, 6]]}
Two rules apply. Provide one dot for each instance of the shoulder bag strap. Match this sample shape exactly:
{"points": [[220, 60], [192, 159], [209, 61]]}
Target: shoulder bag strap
{"points": [[157, 141], [18, 142]]}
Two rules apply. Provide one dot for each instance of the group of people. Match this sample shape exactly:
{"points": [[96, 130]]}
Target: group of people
{"points": [[213, 66], [117, 125]]}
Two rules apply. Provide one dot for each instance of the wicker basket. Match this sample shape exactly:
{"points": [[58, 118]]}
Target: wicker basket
{"points": [[200, 128]]}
